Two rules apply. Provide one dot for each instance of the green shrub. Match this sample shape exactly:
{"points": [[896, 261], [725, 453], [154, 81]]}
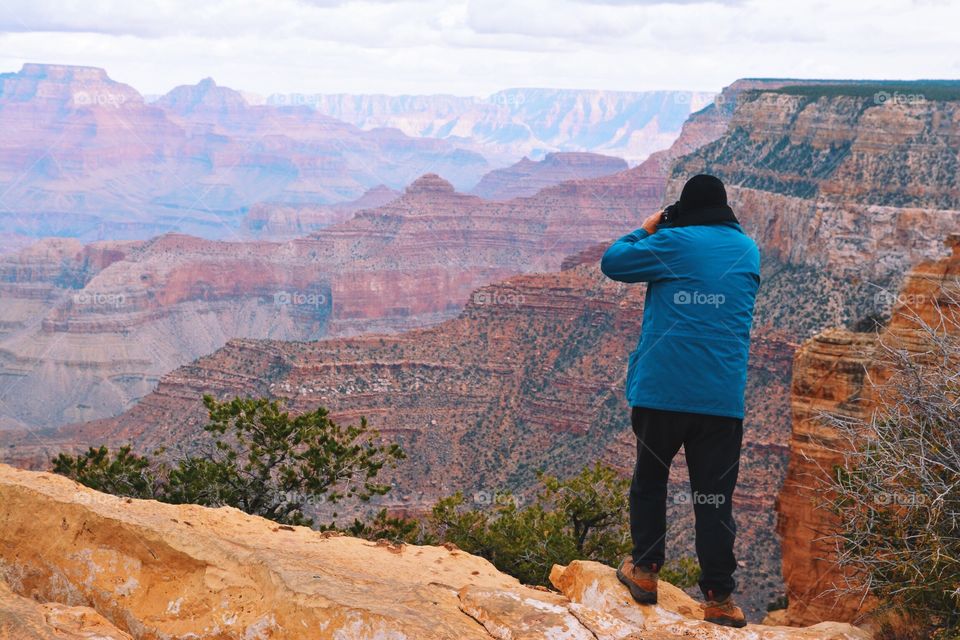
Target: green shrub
{"points": [[580, 518], [261, 460]]}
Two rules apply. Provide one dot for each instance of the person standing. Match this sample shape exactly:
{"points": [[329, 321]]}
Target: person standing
{"points": [[686, 379]]}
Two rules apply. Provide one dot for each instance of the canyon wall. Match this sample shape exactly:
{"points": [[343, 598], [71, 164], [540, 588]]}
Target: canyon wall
{"points": [[86, 331], [526, 177], [513, 123], [836, 373], [826, 175]]}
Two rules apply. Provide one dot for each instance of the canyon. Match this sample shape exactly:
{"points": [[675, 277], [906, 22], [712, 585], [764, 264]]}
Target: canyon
{"points": [[76, 564], [528, 374], [87, 337], [88, 340], [89, 157]]}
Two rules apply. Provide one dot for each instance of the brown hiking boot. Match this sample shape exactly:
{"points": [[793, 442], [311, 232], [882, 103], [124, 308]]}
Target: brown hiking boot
{"points": [[723, 611], [642, 582]]}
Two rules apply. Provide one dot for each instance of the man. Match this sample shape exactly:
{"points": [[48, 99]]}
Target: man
{"points": [[685, 381]]}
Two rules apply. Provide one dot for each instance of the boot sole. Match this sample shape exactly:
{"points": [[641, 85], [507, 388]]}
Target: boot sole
{"points": [[727, 622], [641, 596]]}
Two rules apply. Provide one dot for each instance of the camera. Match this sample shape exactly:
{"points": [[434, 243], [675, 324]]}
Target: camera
{"points": [[670, 214]]}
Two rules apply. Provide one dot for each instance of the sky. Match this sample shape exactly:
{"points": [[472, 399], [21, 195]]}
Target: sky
{"points": [[476, 47]]}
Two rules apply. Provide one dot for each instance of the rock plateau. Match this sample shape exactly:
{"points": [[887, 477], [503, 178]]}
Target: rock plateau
{"points": [[75, 564]]}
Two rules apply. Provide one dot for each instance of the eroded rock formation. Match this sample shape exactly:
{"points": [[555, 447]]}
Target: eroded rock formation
{"points": [[280, 221], [836, 373], [86, 331], [526, 177], [829, 176], [85, 156]]}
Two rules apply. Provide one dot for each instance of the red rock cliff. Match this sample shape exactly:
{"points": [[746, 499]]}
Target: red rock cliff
{"points": [[831, 374]]}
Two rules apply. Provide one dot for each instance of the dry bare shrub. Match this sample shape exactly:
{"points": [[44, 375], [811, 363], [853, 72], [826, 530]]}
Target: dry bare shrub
{"points": [[897, 490]]}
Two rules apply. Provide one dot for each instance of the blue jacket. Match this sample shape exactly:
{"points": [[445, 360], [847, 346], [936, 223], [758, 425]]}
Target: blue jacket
{"points": [[693, 349]]}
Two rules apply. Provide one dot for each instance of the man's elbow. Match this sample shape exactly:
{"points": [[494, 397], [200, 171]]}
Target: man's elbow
{"points": [[608, 265]]}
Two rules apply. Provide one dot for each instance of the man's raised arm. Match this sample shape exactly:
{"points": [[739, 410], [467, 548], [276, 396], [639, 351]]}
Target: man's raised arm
{"points": [[640, 256]]}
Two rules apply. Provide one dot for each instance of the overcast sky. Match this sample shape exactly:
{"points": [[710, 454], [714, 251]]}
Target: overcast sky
{"points": [[475, 47]]}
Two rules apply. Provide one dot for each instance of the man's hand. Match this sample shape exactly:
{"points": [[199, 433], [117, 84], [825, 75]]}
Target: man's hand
{"points": [[650, 224]]}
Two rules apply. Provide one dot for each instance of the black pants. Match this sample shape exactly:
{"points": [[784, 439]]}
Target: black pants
{"points": [[711, 445]]}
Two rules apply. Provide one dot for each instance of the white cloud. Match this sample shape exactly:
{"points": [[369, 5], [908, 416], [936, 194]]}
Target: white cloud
{"points": [[478, 46]]}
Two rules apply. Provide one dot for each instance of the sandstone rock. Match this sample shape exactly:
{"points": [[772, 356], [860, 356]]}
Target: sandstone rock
{"points": [[22, 618], [594, 588], [162, 571], [832, 374]]}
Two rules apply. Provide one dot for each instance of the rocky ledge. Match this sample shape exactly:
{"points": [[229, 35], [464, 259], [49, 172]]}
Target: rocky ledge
{"points": [[75, 563]]}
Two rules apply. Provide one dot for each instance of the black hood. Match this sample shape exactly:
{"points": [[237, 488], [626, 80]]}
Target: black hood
{"points": [[702, 201]]}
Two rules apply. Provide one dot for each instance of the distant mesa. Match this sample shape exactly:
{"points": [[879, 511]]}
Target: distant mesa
{"points": [[206, 94], [63, 72], [527, 177], [430, 183], [70, 86]]}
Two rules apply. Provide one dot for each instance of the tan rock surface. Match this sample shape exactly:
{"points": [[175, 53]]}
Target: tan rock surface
{"points": [[182, 571], [594, 589], [25, 619]]}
